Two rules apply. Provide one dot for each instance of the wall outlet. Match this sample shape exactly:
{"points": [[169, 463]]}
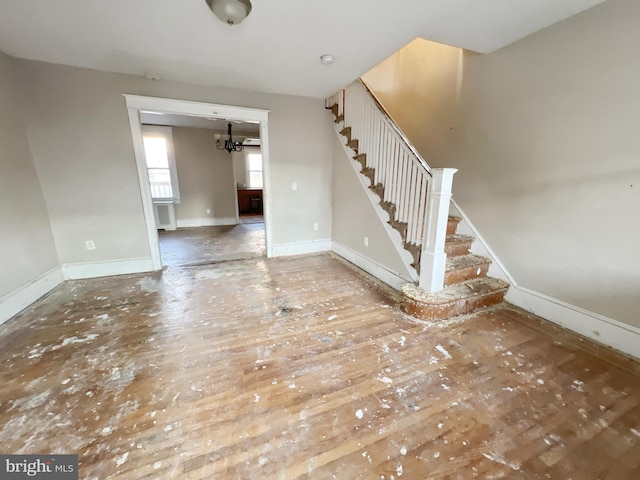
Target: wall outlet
{"points": [[208, 211], [294, 186], [90, 245], [316, 227], [366, 241]]}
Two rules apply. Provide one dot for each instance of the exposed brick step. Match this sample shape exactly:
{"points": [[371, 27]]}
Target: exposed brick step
{"points": [[457, 245], [452, 225], [462, 268], [453, 300]]}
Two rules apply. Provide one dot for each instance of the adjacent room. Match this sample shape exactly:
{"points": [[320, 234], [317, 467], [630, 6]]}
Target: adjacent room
{"points": [[206, 180]]}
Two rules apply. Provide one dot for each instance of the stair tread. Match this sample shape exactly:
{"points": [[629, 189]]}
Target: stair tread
{"points": [[465, 261], [458, 238], [455, 292]]}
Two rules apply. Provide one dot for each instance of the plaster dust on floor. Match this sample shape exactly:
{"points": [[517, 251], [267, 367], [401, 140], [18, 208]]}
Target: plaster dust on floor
{"points": [[301, 368]]}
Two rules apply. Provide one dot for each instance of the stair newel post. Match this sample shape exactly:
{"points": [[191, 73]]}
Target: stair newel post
{"points": [[433, 257]]}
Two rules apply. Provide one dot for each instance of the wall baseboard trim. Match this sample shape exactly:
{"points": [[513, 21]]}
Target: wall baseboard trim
{"points": [[393, 279], [23, 296], [302, 248], [601, 329], [206, 222], [594, 326], [76, 271]]}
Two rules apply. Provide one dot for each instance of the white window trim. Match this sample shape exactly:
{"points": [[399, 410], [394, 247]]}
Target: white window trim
{"points": [[167, 133]]}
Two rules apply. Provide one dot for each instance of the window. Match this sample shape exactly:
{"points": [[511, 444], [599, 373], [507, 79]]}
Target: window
{"points": [[254, 169], [161, 165]]}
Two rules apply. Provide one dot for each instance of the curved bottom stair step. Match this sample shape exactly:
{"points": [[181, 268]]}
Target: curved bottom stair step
{"points": [[453, 300]]}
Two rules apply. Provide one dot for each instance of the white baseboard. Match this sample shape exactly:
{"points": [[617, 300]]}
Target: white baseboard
{"points": [[374, 199], [301, 248], [76, 271], [393, 279], [23, 296], [206, 222], [622, 337], [598, 328]]}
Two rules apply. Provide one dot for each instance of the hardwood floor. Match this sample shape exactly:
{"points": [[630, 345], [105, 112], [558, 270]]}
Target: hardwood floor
{"points": [[299, 368], [205, 245]]}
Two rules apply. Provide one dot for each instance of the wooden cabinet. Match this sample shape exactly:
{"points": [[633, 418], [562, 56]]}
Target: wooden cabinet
{"points": [[250, 200]]}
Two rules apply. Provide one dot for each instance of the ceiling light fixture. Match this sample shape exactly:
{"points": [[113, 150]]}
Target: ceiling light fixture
{"points": [[327, 59], [231, 12], [229, 145]]}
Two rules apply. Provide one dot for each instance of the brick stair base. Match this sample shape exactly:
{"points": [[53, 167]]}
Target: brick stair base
{"points": [[453, 300]]}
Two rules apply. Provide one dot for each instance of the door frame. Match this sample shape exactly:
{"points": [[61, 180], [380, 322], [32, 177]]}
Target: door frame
{"points": [[138, 103]]}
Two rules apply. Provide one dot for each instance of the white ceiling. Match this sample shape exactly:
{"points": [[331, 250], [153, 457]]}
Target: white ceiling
{"points": [[278, 46]]}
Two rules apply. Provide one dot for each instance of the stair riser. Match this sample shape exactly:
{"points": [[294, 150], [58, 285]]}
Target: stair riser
{"points": [[452, 226], [458, 248], [453, 309], [464, 274]]}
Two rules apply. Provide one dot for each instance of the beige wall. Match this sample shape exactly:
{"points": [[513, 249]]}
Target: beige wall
{"points": [[354, 217], [420, 86], [545, 135], [81, 143], [205, 176], [27, 249], [239, 168]]}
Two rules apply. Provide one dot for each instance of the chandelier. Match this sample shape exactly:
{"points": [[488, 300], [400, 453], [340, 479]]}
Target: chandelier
{"points": [[231, 12], [229, 145]]}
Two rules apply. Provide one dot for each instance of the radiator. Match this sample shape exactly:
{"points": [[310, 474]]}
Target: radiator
{"points": [[165, 214]]}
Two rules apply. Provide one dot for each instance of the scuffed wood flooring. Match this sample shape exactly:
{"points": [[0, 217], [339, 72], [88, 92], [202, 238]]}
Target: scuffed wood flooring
{"points": [[298, 368], [205, 245]]}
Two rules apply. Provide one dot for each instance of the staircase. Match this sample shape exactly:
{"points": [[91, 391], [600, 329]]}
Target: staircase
{"points": [[388, 206], [467, 287], [391, 168]]}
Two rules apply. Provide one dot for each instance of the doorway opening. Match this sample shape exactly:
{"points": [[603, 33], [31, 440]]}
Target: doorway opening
{"points": [[193, 197]]}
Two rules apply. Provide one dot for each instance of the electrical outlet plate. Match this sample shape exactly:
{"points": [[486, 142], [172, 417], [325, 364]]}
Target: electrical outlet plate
{"points": [[366, 241], [90, 245], [316, 227]]}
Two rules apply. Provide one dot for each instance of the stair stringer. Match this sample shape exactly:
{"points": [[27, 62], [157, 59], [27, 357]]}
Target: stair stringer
{"points": [[396, 238]]}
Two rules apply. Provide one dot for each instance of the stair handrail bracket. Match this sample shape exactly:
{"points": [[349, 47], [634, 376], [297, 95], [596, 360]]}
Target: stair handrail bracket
{"points": [[415, 196]]}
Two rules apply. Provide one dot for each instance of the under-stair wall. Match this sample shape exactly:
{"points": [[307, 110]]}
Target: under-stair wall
{"points": [[358, 234]]}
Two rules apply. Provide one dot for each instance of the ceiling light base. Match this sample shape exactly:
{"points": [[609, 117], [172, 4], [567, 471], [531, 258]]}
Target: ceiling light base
{"points": [[231, 12]]}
